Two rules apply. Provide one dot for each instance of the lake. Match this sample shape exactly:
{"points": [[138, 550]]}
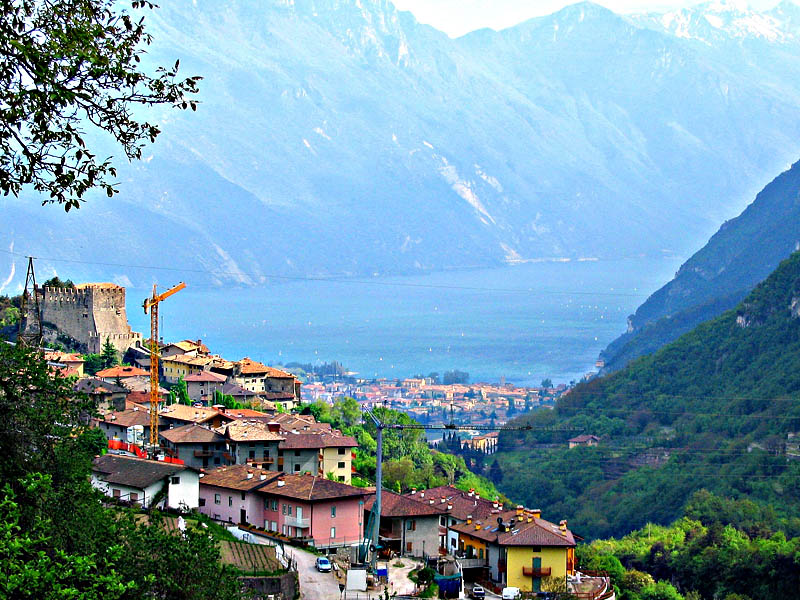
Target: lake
{"points": [[522, 322]]}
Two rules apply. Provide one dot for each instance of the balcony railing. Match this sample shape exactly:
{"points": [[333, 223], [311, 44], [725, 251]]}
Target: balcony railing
{"points": [[472, 563], [536, 572], [295, 522], [202, 453]]}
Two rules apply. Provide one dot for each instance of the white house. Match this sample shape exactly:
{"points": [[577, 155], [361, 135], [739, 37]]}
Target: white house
{"points": [[140, 480]]}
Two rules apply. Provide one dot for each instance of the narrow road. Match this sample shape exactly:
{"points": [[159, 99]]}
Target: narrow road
{"points": [[313, 584]]}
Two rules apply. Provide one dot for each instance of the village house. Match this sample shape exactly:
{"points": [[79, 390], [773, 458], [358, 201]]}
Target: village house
{"points": [[517, 548], [409, 526], [179, 366], [584, 440], [255, 443], [120, 373], [197, 446], [320, 454], [323, 512], [184, 348], [240, 394], [201, 386], [462, 505], [68, 364], [129, 425], [142, 481], [181, 414], [106, 396]]}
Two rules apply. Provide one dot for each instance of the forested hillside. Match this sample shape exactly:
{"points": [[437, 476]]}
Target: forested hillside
{"points": [[714, 410], [742, 253]]}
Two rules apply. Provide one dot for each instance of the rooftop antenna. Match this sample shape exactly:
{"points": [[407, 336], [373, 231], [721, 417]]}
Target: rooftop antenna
{"points": [[30, 332]]}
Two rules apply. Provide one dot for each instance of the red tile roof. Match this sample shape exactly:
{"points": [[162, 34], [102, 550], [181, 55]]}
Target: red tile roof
{"points": [[537, 532], [191, 434], [309, 488], [121, 371], [205, 376], [235, 477], [463, 504], [395, 505]]}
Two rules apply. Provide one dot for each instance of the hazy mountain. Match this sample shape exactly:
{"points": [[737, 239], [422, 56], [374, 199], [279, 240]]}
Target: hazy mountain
{"points": [[343, 137], [742, 253]]}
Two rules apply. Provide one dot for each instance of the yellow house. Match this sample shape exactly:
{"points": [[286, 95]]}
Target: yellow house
{"points": [[518, 548]]}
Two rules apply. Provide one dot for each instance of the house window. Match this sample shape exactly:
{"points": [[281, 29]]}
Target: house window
{"points": [[242, 495], [273, 526], [333, 532], [285, 530], [341, 465], [297, 452], [297, 468], [340, 478], [409, 546], [202, 501], [283, 509], [443, 521], [217, 499], [274, 505], [411, 525], [134, 497], [333, 512], [289, 510], [230, 500], [176, 480], [341, 451], [115, 493]]}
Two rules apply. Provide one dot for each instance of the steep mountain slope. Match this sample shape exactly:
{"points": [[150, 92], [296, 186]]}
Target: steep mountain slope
{"points": [[712, 409], [374, 144], [742, 253]]}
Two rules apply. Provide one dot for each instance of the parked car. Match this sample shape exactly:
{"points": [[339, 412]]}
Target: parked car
{"points": [[323, 564], [511, 593], [478, 592]]}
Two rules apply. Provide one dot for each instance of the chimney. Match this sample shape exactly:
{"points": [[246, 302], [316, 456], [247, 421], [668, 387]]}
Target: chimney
{"points": [[495, 505], [562, 525], [449, 507], [422, 494], [281, 482], [477, 497], [477, 526], [273, 427], [537, 513], [442, 500], [262, 476], [201, 475], [413, 491], [471, 492], [219, 407], [529, 519], [431, 501], [469, 519], [520, 509], [249, 474]]}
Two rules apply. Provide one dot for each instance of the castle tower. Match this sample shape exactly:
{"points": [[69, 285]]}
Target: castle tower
{"points": [[88, 313]]}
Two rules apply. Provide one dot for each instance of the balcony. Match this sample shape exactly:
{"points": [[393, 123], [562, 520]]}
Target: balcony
{"points": [[472, 563], [202, 453], [536, 572], [229, 457], [295, 522]]}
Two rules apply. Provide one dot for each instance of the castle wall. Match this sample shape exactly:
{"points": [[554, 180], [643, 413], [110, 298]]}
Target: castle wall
{"points": [[89, 313]]}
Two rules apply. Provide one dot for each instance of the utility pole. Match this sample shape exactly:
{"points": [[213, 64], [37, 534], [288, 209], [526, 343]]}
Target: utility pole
{"points": [[30, 333]]}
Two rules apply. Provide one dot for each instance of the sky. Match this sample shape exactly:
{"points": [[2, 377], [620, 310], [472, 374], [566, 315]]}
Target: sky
{"points": [[457, 17]]}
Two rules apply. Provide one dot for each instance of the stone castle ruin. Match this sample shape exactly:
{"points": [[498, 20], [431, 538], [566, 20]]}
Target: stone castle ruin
{"points": [[86, 314]]}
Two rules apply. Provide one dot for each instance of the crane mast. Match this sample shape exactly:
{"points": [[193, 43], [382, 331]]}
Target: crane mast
{"points": [[151, 305]]}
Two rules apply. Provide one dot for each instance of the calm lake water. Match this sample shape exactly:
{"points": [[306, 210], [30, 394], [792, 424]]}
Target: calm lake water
{"points": [[523, 322]]}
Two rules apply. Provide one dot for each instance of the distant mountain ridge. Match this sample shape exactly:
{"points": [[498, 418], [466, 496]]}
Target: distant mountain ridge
{"points": [[341, 137], [741, 254]]}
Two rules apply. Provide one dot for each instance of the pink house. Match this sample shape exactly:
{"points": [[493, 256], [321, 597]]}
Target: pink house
{"points": [[327, 513]]}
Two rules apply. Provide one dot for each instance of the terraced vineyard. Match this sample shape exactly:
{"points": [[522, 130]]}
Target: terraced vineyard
{"points": [[250, 558]]}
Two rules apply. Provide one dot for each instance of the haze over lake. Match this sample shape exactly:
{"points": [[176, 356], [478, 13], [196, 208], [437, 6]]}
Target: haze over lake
{"points": [[522, 322]]}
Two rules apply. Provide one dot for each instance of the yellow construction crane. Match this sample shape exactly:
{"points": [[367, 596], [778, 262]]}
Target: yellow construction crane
{"points": [[151, 304]]}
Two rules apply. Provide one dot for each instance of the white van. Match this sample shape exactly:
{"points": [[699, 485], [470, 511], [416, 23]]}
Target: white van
{"points": [[511, 593]]}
